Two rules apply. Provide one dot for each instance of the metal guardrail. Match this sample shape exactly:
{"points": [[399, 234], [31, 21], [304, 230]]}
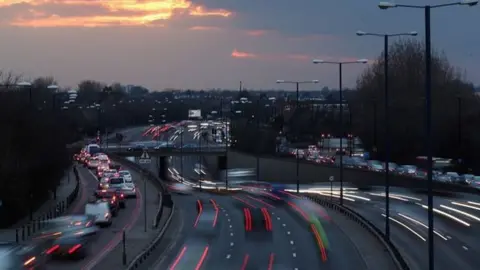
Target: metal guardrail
{"points": [[397, 258], [142, 256]]}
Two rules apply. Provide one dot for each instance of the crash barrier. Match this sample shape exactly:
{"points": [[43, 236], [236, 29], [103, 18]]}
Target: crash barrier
{"points": [[284, 170], [140, 258], [376, 232], [165, 201], [23, 233]]}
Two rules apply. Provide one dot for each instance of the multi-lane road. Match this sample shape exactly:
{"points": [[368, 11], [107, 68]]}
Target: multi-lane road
{"points": [[290, 245], [457, 222], [105, 251]]}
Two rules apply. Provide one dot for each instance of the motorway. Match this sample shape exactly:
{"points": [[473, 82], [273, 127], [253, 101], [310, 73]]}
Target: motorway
{"points": [[290, 245], [457, 222], [102, 253]]}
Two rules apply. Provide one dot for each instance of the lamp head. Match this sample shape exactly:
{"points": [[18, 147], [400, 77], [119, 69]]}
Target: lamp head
{"points": [[317, 61], [24, 84], [413, 33], [314, 81], [52, 87], [280, 81], [361, 33], [470, 3], [386, 5], [363, 61]]}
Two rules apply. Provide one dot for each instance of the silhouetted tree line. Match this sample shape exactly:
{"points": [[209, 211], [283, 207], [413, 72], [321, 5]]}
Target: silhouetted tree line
{"points": [[455, 111], [32, 139]]}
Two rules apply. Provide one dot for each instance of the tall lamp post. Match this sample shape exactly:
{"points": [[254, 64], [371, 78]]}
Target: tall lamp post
{"points": [[340, 66], [297, 84], [54, 88], [428, 107], [28, 85], [387, 119]]}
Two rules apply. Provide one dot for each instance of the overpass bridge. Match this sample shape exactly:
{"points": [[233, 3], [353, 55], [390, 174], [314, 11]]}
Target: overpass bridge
{"points": [[166, 151]]}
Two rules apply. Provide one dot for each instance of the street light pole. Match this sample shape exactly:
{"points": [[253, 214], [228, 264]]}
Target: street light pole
{"points": [[387, 121], [428, 109], [297, 160], [340, 67]]}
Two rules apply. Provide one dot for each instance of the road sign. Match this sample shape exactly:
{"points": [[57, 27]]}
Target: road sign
{"points": [[331, 178], [145, 158]]}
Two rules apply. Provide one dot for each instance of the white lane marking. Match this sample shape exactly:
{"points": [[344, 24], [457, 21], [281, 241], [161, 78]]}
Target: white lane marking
{"points": [[291, 243], [284, 225], [294, 255], [231, 234], [278, 218], [464, 247], [288, 232], [273, 213], [226, 214], [229, 220], [228, 256], [231, 244], [230, 226]]}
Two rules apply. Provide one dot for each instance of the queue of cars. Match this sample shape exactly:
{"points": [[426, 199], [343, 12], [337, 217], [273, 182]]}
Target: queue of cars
{"points": [[312, 154], [70, 236]]}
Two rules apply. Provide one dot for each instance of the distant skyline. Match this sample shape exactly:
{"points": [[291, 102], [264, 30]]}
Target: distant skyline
{"points": [[204, 44]]}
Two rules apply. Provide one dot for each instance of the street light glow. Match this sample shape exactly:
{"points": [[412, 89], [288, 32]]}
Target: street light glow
{"points": [[469, 2], [386, 5], [24, 84]]}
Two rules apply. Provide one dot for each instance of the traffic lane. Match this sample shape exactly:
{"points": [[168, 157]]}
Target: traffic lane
{"points": [[107, 238], [457, 220], [230, 247], [198, 243], [139, 231], [409, 234], [292, 245]]}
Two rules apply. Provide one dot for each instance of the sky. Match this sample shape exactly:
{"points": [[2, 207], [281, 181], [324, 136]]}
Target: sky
{"points": [[202, 44]]}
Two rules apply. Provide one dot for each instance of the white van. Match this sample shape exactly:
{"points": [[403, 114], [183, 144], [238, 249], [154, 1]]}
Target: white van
{"points": [[93, 149], [101, 211]]}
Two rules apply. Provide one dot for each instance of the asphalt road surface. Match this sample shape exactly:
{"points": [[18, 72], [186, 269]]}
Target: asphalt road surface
{"points": [[108, 239], [457, 223]]}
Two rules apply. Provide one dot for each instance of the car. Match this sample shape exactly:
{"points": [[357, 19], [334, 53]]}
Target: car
{"points": [[257, 220], [103, 183], [100, 210], [125, 185], [92, 163], [120, 197], [125, 174], [110, 196], [67, 236], [180, 188], [106, 173], [22, 256]]}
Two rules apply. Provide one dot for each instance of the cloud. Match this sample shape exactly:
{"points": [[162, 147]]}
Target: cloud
{"points": [[239, 54], [205, 28], [97, 13]]}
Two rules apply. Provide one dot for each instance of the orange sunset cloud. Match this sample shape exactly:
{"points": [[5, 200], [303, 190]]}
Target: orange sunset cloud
{"points": [[62, 13]]}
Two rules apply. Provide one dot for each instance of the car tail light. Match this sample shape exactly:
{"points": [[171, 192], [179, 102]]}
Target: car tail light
{"points": [[121, 195], [29, 261], [74, 248], [52, 249]]}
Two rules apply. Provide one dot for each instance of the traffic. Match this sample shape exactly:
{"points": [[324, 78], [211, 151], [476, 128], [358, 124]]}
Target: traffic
{"points": [[71, 237]]}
